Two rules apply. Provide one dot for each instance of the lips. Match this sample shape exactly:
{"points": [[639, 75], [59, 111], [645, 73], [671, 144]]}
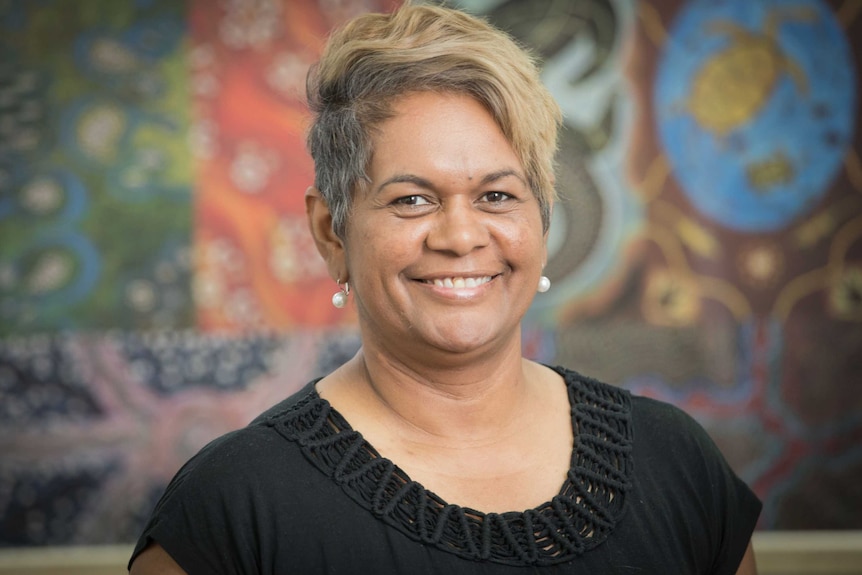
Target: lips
{"points": [[457, 282]]}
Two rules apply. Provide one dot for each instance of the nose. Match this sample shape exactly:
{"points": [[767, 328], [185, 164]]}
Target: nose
{"points": [[459, 228]]}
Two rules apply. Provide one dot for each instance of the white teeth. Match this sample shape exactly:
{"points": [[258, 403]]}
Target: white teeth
{"points": [[461, 282]]}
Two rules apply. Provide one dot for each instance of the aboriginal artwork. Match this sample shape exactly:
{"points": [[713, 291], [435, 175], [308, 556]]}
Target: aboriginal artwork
{"points": [[158, 287], [710, 163], [96, 177]]}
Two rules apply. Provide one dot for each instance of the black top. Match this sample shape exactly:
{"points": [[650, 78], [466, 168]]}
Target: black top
{"points": [[300, 491]]}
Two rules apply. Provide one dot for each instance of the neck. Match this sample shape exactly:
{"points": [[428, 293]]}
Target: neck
{"points": [[465, 403]]}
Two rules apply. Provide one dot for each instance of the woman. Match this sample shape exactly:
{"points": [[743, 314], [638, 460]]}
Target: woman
{"points": [[438, 448]]}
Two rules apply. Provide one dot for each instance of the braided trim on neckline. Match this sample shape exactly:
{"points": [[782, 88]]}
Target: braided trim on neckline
{"points": [[580, 517]]}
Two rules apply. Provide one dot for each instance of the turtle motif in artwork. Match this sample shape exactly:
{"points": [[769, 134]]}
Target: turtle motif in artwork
{"points": [[736, 82]]}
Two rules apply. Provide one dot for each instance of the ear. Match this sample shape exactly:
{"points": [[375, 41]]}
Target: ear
{"points": [[329, 245]]}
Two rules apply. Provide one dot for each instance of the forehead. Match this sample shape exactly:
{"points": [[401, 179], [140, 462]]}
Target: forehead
{"points": [[449, 132]]}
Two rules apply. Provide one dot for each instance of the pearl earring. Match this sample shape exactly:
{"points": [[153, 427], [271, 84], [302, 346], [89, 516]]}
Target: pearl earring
{"points": [[544, 284], [339, 298]]}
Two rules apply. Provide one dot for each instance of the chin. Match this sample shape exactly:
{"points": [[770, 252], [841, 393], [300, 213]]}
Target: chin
{"points": [[463, 343]]}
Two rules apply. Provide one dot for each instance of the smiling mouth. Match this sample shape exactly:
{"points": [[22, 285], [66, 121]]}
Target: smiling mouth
{"points": [[458, 282]]}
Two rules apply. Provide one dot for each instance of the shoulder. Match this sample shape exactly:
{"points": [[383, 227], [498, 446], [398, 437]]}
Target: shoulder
{"points": [[648, 416], [224, 500], [656, 429], [681, 470], [667, 428], [582, 387], [655, 416], [678, 482], [244, 457], [674, 453], [258, 432], [302, 396]]}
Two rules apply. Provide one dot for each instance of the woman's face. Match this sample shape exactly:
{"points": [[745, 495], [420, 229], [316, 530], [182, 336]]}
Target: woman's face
{"points": [[445, 247]]}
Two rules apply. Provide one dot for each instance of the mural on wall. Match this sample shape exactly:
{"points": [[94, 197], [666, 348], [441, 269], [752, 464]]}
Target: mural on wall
{"points": [[755, 232], [257, 266], [96, 176], [151, 232], [707, 248], [158, 288]]}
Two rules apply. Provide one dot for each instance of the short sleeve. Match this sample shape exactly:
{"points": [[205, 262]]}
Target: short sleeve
{"points": [[735, 504], [206, 518], [718, 510]]}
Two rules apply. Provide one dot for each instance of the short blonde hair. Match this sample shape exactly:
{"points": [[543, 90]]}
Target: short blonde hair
{"points": [[375, 58]]}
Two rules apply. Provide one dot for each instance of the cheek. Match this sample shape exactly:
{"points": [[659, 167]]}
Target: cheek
{"points": [[382, 247], [527, 241]]}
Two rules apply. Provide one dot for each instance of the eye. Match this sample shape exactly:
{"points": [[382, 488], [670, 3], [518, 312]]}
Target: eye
{"points": [[496, 197], [414, 200]]}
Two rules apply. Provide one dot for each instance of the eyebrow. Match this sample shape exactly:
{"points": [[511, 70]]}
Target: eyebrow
{"points": [[405, 179], [500, 174], [423, 183]]}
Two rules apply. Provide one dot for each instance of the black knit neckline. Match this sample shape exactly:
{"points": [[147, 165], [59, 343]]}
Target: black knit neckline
{"points": [[580, 517]]}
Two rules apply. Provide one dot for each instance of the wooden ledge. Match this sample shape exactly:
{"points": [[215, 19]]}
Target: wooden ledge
{"points": [[778, 553]]}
